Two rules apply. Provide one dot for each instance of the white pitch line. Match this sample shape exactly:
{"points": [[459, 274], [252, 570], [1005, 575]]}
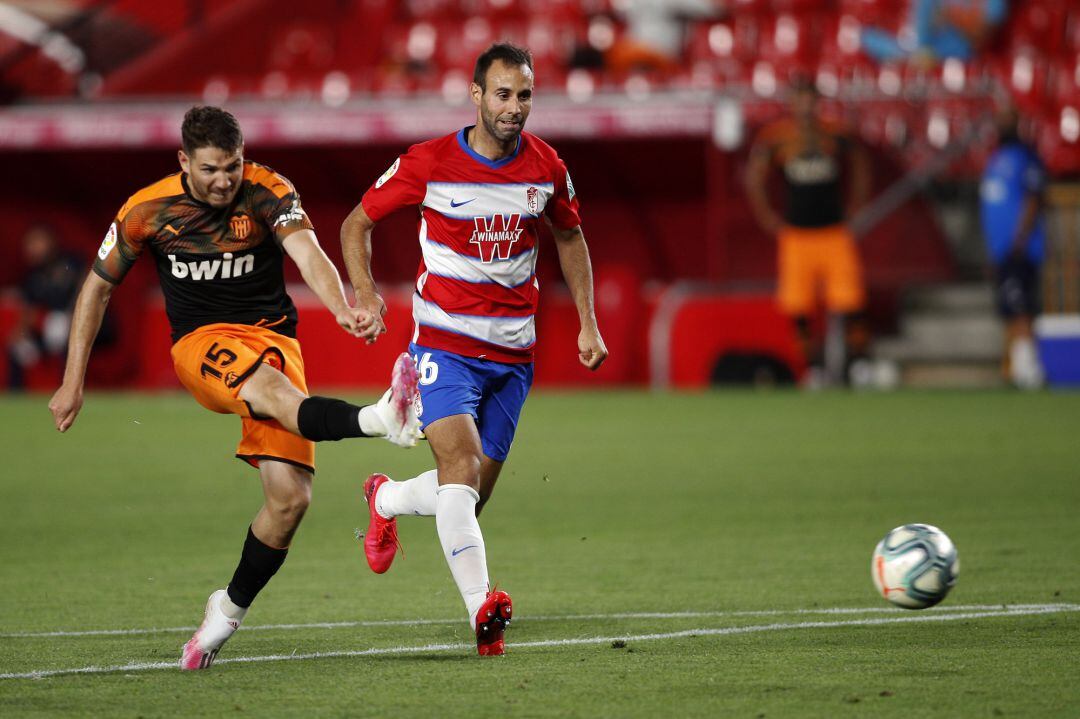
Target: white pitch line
{"points": [[704, 632], [540, 618]]}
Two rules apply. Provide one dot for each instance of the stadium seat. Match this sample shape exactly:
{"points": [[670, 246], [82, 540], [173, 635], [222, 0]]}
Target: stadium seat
{"points": [[1039, 24], [301, 47], [1025, 74], [1059, 140]]}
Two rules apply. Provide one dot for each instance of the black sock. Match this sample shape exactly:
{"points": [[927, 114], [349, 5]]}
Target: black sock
{"points": [[322, 418], [258, 563]]}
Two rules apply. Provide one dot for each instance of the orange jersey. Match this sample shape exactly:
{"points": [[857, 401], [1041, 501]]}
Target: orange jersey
{"points": [[214, 264], [812, 166]]}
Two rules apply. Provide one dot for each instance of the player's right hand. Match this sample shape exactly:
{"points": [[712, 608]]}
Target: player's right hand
{"points": [[65, 406], [352, 320], [373, 304]]}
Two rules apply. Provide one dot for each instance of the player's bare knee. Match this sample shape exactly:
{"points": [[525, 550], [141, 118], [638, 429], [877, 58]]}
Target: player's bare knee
{"points": [[267, 390], [460, 468], [257, 389], [289, 508]]}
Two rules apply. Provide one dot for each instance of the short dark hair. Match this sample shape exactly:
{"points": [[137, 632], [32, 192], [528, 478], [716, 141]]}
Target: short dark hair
{"points": [[507, 53], [206, 126]]}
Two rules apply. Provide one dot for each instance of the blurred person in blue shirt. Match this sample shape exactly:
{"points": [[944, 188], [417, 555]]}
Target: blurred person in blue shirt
{"points": [[937, 29], [1010, 199]]}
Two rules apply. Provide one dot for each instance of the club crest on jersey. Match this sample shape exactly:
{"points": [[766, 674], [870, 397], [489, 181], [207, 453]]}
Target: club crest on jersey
{"points": [[495, 237], [532, 196], [240, 226]]}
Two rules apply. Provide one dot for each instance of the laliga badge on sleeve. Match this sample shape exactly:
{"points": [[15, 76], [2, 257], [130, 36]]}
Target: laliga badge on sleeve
{"points": [[108, 243], [388, 174]]}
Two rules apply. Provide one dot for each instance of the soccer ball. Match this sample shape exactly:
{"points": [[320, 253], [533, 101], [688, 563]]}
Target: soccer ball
{"points": [[915, 566]]}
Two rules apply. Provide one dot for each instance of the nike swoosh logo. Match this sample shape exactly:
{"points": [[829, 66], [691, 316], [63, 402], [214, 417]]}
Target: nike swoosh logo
{"points": [[173, 230], [456, 552], [459, 204]]}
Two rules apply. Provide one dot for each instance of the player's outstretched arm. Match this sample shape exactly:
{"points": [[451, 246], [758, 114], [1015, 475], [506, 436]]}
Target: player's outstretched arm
{"points": [[322, 277], [85, 323], [577, 271], [356, 249]]}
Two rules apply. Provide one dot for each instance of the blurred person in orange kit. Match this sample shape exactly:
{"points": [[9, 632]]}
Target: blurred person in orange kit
{"points": [[817, 253]]}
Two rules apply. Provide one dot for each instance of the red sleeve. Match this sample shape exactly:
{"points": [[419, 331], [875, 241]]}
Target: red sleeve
{"points": [[562, 208], [404, 184]]}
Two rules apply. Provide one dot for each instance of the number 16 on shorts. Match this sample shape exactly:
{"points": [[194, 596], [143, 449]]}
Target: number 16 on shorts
{"points": [[429, 371]]}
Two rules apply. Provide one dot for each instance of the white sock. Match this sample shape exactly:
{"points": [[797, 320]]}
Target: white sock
{"points": [[231, 610], [413, 496], [463, 544], [1024, 360], [370, 422]]}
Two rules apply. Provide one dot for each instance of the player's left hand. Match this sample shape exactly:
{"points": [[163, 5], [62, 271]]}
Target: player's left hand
{"points": [[591, 348], [65, 406], [372, 303], [355, 321]]}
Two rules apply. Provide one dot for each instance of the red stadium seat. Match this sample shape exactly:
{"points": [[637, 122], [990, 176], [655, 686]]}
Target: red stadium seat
{"points": [[301, 47], [1059, 140], [1039, 24], [1025, 75], [1066, 80], [886, 14]]}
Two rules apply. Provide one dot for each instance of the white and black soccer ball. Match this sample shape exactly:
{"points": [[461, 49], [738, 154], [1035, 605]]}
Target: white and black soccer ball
{"points": [[915, 566]]}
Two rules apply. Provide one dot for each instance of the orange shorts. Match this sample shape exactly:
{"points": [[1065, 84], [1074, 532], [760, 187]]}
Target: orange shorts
{"points": [[819, 259], [213, 362]]}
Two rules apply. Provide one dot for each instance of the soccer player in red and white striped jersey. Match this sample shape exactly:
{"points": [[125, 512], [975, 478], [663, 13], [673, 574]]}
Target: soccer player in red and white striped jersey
{"points": [[482, 194]]}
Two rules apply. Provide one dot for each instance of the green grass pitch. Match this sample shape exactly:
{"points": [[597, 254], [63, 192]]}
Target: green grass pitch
{"points": [[669, 555]]}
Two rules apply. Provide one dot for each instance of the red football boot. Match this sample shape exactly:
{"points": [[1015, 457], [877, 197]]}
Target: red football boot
{"points": [[491, 621], [381, 540]]}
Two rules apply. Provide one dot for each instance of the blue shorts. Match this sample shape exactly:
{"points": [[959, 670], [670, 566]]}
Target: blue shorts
{"points": [[492, 393], [1017, 288]]}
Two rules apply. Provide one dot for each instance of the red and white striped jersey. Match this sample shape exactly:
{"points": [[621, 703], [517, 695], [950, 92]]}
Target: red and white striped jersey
{"points": [[476, 290]]}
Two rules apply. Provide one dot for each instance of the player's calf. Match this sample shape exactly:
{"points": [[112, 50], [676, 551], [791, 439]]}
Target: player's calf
{"points": [[323, 418]]}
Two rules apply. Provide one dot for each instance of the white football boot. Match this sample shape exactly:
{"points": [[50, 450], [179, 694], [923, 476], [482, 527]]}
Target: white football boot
{"points": [[216, 628], [395, 408]]}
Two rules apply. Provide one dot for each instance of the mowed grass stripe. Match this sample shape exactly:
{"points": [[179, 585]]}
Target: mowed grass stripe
{"points": [[543, 618], [702, 632]]}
